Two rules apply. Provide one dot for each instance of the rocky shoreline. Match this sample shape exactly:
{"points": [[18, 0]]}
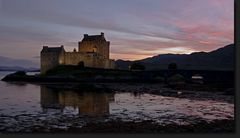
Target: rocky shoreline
{"points": [[217, 126], [188, 91], [59, 123], [174, 88], [119, 126], [226, 95]]}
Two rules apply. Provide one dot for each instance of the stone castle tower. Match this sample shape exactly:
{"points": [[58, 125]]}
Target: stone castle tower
{"points": [[93, 51]]}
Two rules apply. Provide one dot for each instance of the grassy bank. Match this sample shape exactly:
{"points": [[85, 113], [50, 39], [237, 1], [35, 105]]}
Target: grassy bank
{"points": [[68, 73], [79, 74]]}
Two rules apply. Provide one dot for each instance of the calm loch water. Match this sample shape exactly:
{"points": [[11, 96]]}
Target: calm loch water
{"points": [[23, 105]]}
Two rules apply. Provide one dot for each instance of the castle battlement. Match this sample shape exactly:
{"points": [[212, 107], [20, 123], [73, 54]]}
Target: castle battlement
{"points": [[93, 51]]}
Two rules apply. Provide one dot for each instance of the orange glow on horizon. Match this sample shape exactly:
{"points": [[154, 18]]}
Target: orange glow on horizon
{"points": [[147, 54]]}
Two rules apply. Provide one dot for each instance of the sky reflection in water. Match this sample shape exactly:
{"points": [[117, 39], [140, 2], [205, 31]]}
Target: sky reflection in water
{"points": [[17, 99]]}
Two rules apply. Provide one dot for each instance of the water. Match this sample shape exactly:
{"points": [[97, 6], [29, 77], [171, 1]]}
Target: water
{"points": [[24, 105]]}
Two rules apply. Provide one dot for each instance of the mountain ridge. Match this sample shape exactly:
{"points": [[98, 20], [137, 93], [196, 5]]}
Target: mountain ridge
{"points": [[10, 64], [219, 59]]}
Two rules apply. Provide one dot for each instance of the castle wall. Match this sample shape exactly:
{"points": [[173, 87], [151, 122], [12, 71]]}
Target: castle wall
{"points": [[50, 60], [110, 64], [89, 59], [86, 46], [102, 47], [73, 58]]}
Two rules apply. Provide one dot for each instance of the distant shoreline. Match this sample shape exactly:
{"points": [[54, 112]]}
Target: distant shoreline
{"points": [[175, 79], [74, 74], [18, 70]]}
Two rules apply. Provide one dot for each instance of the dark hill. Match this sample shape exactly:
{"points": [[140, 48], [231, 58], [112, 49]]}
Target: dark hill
{"points": [[220, 59]]}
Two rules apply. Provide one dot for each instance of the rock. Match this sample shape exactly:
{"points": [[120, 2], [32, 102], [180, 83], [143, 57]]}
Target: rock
{"points": [[99, 77], [229, 91], [42, 118], [176, 79]]}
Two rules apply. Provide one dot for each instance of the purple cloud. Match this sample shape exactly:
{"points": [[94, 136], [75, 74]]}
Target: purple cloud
{"points": [[136, 28]]}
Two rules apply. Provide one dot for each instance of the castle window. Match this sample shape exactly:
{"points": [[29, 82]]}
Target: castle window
{"points": [[60, 62], [95, 49]]}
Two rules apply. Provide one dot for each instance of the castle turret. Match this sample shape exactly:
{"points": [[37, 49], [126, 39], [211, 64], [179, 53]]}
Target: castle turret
{"points": [[94, 44], [51, 57], [85, 35]]}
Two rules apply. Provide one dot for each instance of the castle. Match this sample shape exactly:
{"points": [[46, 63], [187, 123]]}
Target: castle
{"points": [[93, 51]]}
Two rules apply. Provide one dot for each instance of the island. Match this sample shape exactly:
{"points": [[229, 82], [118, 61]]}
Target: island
{"points": [[91, 73]]}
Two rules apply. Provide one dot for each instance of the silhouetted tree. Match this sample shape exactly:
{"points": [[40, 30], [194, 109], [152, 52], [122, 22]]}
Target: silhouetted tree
{"points": [[172, 66], [137, 66]]}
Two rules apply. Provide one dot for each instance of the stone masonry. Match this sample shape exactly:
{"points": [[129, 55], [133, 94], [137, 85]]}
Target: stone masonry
{"points": [[93, 51]]}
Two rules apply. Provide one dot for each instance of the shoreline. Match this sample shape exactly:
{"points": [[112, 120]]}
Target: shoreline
{"points": [[196, 92], [211, 91], [75, 74], [217, 126], [118, 126], [187, 91]]}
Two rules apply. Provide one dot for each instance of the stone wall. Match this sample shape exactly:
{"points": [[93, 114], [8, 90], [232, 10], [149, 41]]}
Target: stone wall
{"points": [[99, 47], [73, 58], [110, 64], [89, 59], [86, 46], [50, 60]]}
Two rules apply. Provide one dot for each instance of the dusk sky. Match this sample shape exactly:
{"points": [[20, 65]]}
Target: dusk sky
{"points": [[136, 28]]}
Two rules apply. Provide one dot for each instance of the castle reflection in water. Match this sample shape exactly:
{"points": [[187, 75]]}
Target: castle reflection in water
{"points": [[84, 103]]}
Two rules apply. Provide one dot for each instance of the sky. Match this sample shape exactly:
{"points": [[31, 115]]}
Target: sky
{"points": [[136, 29]]}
